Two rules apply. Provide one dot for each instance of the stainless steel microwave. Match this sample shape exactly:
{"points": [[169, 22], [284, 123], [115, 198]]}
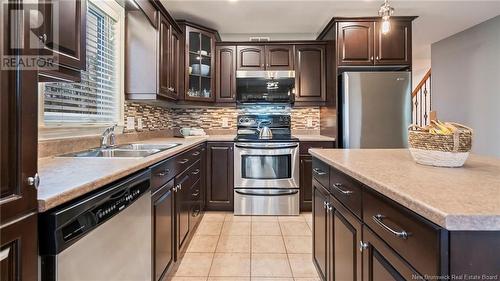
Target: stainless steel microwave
{"points": [[262, 87]]}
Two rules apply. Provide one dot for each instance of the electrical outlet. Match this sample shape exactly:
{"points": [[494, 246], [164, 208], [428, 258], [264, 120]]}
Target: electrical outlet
{"points": [[309, 122], [139, 123], [130, 123], [225, 122]]}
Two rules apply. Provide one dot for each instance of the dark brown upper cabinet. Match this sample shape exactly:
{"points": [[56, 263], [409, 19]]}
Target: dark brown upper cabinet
{"points": [[251, 57], [310, 73], [394, 47], [164, 73], [66, 39], [225, 66], [279, 57], [355, 43], [198, 66], [360, 42], [152, 55]]}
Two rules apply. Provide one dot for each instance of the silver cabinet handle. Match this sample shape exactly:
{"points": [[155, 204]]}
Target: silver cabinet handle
{"points": [[319, 172], [362, 246], [4, 254], [379, 220], [177, 187], [371, 58], [34, 181], [338, 186], [195, 172], [184, 161], [378, 58], [164, 173], [196, 153], [43, 38]]}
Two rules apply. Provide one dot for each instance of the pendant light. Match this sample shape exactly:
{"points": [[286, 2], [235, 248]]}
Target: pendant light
{"points": [[386, 12]]}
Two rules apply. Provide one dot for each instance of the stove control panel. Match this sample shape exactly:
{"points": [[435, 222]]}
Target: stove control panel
{"points": [[272, 121]]}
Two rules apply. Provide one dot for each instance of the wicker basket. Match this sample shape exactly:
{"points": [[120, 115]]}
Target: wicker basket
{"points": [[440, 150]]}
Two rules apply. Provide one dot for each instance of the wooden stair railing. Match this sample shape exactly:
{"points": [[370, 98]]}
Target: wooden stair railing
{"points": [[421, 101]]}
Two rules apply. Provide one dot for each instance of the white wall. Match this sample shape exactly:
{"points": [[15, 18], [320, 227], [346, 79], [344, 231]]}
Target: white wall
{"points": [[466, 82]]}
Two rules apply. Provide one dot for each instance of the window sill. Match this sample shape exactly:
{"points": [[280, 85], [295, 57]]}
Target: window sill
{"points": [[69, 131]]}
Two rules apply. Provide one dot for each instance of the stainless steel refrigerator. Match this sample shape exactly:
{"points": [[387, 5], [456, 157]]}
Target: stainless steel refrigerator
{"points": [[375, 109]]}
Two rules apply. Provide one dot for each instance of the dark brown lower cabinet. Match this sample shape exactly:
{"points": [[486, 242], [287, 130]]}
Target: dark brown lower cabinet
{"points": [[345, 257], [182, 209], [163, 229], [381, 263], [220, 165], [320, 227], [18, 249], [305, 183]]}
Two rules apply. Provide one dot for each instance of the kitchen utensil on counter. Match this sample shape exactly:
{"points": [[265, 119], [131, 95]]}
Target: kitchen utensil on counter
{"points": [[187, 132], [440, 144]]}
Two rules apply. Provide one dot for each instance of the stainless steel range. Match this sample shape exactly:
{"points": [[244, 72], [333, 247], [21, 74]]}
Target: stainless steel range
{"points": [[266, 166]]}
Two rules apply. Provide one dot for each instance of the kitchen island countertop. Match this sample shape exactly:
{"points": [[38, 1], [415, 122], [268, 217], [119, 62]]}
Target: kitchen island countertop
{"points": [[466, 198]]}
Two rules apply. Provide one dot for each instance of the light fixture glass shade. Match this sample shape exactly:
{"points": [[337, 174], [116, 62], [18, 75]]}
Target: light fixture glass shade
{"points": [[386, 12], [386, 26]]}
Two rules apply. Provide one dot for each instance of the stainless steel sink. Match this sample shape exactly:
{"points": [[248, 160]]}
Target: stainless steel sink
{"points": [[127, 150], [147, 146]]}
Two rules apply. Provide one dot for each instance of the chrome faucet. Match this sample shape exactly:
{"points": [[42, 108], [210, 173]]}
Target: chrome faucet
{"points": [[108, 138]]}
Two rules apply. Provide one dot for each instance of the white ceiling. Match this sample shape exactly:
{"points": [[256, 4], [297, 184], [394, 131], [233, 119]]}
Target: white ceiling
{"points": [[304, 19]]}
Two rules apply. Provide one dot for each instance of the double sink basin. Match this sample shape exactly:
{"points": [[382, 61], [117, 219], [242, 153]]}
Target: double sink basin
{"points": [[136, 150]]}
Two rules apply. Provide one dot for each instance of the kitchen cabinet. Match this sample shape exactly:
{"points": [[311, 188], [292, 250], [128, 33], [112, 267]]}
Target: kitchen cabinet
{"points": [[305, 183], [355, 43], [393, 48], [320, 228], [163, 229], [225, 66], [182, 209], [381, 263], [279, 57], [306, 172], [63, 34], [251, 57], [371, 239], [199, 62], [18, 162], [152, 68], [345, 258], [360, 42], [220, 182], [310, 73], [169, 60], [265, 57], [19, 250]]}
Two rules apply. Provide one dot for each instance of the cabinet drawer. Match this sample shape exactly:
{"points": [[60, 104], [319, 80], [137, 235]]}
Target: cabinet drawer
{"points": [[347, 190], [420, 247], [321, 172], [162, 172], [190, 176], [305, 145], [187, 158]]}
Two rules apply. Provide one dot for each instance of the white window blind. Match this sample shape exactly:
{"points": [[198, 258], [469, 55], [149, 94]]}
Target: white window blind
{"points": [[96, 98]]}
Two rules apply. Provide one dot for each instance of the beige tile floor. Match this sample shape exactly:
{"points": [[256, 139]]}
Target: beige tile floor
{"points": [[234, 248]]}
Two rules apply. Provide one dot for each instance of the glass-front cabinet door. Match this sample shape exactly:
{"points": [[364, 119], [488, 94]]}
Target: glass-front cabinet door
{"points": [[200, 65]]}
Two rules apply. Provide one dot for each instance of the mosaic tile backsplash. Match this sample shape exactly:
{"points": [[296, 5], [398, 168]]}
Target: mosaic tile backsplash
{"points": [[156, 117]]}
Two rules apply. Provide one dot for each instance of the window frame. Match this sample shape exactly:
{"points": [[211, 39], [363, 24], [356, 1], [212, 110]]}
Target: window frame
{"points": [[57, 130]]}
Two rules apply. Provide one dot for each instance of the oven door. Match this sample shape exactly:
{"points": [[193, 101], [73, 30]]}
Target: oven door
{"points": [[266, 165]]}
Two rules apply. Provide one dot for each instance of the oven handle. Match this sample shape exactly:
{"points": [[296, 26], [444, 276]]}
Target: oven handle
{"points": [[266, 147], [267, 194]]}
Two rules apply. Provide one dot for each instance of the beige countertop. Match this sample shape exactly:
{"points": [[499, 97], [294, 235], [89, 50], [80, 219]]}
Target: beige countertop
{"points": [[466, 198], [63, 179], [313, 138]]}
